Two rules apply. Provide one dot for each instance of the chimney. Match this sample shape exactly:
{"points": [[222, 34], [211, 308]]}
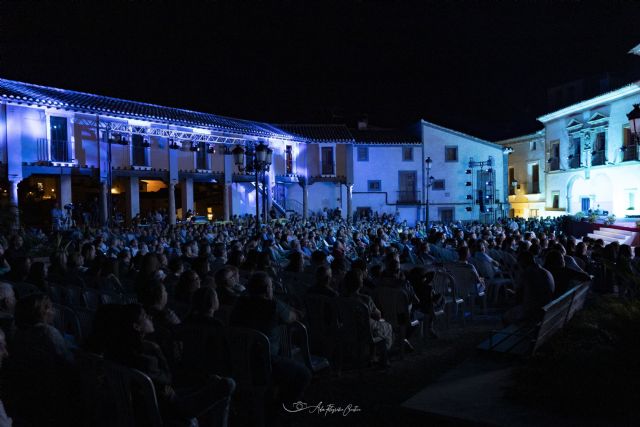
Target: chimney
{"points": [[363, 123]]}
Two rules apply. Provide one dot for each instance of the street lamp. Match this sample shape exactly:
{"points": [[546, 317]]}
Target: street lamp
{"points": [[259, 163], [428, 184]]}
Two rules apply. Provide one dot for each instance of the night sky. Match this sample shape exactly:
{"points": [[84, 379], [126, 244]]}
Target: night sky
{"points": [[479, 67]]}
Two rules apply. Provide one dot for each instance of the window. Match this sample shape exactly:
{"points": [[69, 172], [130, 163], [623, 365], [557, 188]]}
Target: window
{"points": [[533, 213], [407, 187], [532, 146], [407, 154], [555, 199], [574, 155], [512, 188], [202, 157], [327, 161], [598, 157], [446, 215], [438, 184], [288, 160], [138, 151], [554, 156], [374, 185], [451, 154], [59, 143], [535, 178], [632, 201], [363, 154], [629, 146]]}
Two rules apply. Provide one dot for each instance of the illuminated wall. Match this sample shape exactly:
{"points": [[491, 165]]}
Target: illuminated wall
{"points": [[612, 186]]}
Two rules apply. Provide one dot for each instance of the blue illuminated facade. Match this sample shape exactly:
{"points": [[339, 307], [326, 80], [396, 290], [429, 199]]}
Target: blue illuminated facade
{"points": [[62, 146]]}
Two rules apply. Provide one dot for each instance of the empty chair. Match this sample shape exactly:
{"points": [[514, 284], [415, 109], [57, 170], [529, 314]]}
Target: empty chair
{"points": [[73, 296], [394, 305], [251, 369], [322, 323], [467, 284], [91, 298], [355, 341], [294, 344], [66, 321], [23, 289], [444, 285], [85, 320], [123, 397]]}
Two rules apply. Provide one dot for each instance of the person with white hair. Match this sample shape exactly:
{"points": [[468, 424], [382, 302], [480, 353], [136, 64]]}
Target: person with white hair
{"points": [[7, 308]]}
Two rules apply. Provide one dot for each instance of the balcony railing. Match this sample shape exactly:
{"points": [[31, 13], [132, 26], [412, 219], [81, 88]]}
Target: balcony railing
{"points": [[554, 164], [408, 197], [535, 188], [574, 162], [597, 158], [630, 153], [53, 151]]}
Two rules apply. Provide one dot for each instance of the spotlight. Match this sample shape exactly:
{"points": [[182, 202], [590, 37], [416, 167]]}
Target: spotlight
{"points": [[211, 149], [173, 144], [468, 208], [469, 197], [195, 146], [490, 170], [468, 172], [145, 143], [468, 184]]}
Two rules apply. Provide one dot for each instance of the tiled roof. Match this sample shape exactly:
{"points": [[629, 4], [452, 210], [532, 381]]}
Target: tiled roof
{"points": [[97, 104], [319, 133], [385, 137]]}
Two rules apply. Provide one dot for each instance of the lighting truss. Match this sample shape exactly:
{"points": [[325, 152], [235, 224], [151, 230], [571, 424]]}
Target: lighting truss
{"points": [[177, 135]]}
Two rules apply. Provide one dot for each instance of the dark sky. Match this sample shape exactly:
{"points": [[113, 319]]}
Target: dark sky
{"points": [[479, 67]]}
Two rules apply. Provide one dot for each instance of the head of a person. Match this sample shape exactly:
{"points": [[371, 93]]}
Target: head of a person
{"points": [[38, 272], [149, 265], [260, 285], [189, 282], [225, 277], [526, 259], [360, 264], [463, 253], [88, 252], [296, 262], [323, 275], [204, 302], [154, 295], [318, 258], [352, 281], [34, 309], [135, 323], [3, 347], [554, 260], [7, 298], [16, 241]]}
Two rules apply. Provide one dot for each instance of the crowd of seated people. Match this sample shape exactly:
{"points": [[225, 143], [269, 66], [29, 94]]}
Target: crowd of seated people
{"points": [[157, 282]]}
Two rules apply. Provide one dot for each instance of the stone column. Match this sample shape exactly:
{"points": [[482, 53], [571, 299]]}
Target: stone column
{"points": [[267, 193], [305, 200], [65, 191], [226, 202], [13, 198], [172, 203], [349, 202], [133, 198], [228, 179], [187, 195], [104, 203]]}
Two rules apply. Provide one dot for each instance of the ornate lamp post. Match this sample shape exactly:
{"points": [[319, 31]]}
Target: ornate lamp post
{"points": [[429, 183], [259, 163]]}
